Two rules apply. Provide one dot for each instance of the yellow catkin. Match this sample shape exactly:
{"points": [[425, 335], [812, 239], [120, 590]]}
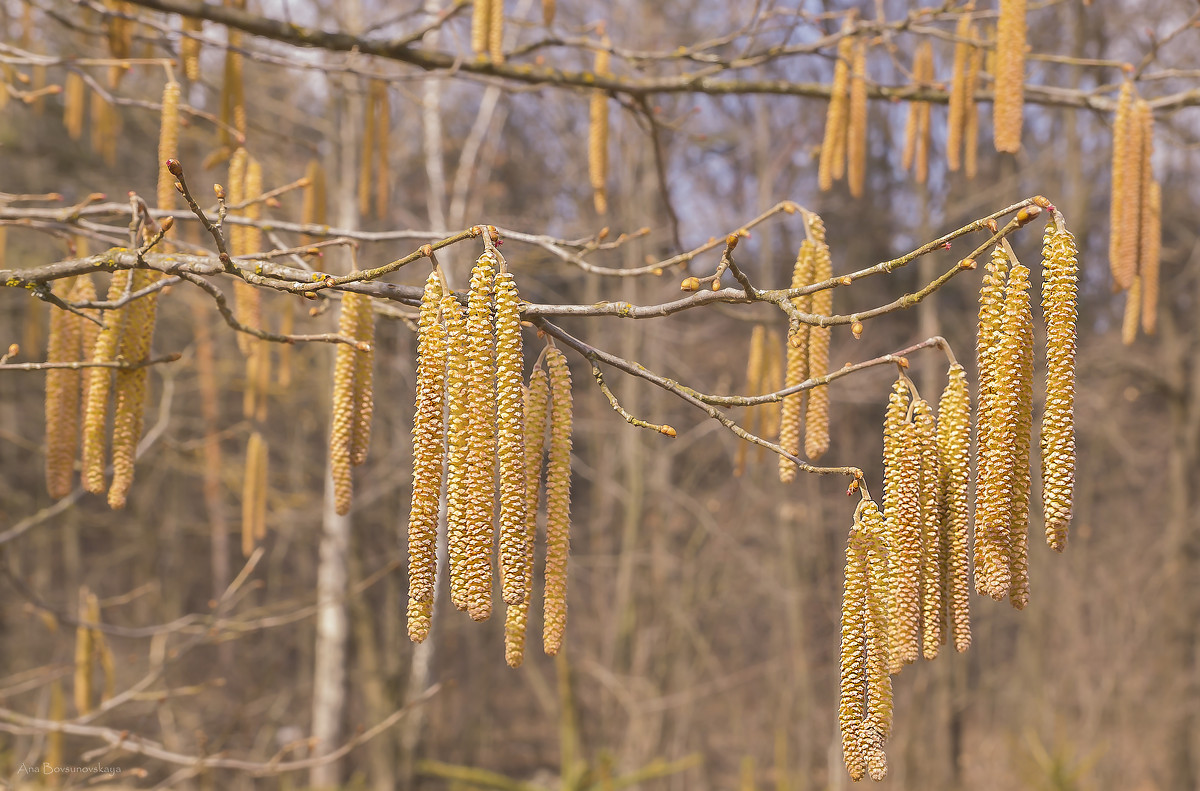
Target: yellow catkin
{"points": [[429, 438], [833, 147], [85, 291], [130, 387], [904, 539], [234, 91], [73, 104], [852, 703], [313, 210], [1151, 250], [971, 121], [342, 418], [247, 299], [893, 453], [558, 503], [816, 416], [1021, 328], [922, 72], [366, 161], [99, 387], [1000, 490], [189, 47], [254, 485], [481, 474], [792, 407], [481, 21], [549, 7], [364, 378], [62, 395], [383, 134], [537, 402], [772, 382], [598, 137], [510, 441], [877, 725], [924, 111], [987, 510], [1124, 213], [963, 32], [932, 589], [856, 125], [84, 653], [954, 451], [1059, 284], [496, 31], [1010, 76], [168, 145], [420, 617], [458, 458], [756, 366], [1149, 230], [1133, 306]]}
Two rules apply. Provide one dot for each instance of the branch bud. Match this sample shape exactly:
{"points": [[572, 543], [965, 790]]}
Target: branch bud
{"points": [[175, 168]]}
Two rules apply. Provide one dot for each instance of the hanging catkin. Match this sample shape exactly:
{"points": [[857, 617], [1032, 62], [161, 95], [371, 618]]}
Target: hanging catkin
{"points": [[548, 9], [1010, 76], [168, 145], [791, 409], [342, 420], [878, 723], [905, 559], [481, 474], [916, 131], [893, 454], [954, 451], [458, 454], [99, 386], [851, 708], [816, 417], [958, 89], [62, 394], [1019, 325], [189, 47], [1149, 230], [254, 493], [598, 136], [1125, 212], [558, 503], [73, 102], [1059, 284], [496, 31], [130, 389], [537, 401], [988, 552], [971, 121], [856, 128], [933, 594], [833, 147], [429, 439], [1151, 250], [510, 442], [481, 20], [364, 377], [383, 134]]}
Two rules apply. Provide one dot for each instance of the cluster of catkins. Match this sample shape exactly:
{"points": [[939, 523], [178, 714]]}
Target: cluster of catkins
{"points": [[119, 334], [476, 424], [1136, 215], [907, 569]]}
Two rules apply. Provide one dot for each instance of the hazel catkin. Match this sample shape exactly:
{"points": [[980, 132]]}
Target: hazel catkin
{"points": [[904, 563], [458, 453], [99, 386], [364, 377], [558, 503], [851, 705], [958, 89], [510, 443], [1020, 326], [598, 137], [1059, 284], [344, 407], [954, 451], [537, 402], [988, 552], [833, 148], [932, 589], [792, 406], [481, 474], [1010, 75], [856, 122], [62, 395], [1123, 201], [429, 438], [816, 418], [130, 387]]}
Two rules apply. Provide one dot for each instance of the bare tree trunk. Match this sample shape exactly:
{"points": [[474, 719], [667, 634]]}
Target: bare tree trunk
{"points": [[329, 672]]}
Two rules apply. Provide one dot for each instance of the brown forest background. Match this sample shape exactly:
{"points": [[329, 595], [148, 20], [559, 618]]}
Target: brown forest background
{"points": [[703, 631]]}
